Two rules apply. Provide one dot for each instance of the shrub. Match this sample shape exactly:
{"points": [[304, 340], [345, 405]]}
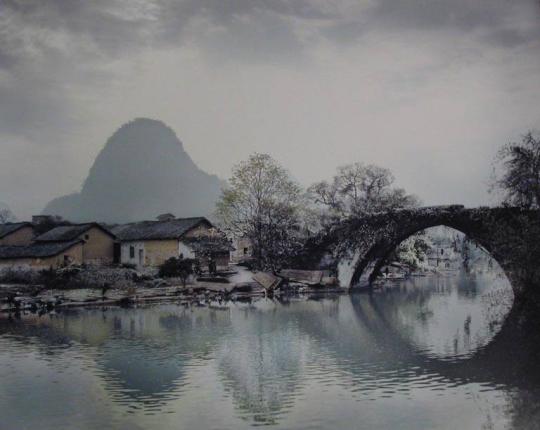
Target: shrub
{"points": [[177, 268], [18, 276], [59, 278]]}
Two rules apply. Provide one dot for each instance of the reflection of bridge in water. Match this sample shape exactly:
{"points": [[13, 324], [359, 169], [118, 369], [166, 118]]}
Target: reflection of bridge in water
{"points": [[265, 352], [371, 334], [510, 235], [510, 358]]}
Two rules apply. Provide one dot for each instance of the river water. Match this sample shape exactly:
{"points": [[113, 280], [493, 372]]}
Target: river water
{"points": [[425, 353]]}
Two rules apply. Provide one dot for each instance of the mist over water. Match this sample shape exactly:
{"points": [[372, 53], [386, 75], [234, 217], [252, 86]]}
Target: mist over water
{"points": [[410, 357]]}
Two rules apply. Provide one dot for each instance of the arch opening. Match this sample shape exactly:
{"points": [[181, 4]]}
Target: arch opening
{"points": [[368, 268], [449, 303]]}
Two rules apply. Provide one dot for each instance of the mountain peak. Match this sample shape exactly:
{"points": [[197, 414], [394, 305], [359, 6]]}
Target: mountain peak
{"points": [[139, 130], [141, 171]]}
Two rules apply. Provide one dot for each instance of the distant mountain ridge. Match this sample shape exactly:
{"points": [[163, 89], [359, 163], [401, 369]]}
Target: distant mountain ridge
{"points": [[142, 171]]}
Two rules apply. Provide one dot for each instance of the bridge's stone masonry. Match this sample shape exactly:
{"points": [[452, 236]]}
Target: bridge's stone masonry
{"points": [[510, 235]]}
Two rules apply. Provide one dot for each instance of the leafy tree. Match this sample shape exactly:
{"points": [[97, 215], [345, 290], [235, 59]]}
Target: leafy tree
{"points": [[520, 179], [359, 189], [413, 252], [209, 247], [264, 204]]}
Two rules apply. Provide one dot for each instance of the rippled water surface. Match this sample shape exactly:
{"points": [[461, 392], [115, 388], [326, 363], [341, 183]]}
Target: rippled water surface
{"points": [[428, 353]]}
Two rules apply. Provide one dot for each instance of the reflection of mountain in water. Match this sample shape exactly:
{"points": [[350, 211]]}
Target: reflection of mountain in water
{"points": [[143, 354], [148, 354], [140, 372], [269, 353]]}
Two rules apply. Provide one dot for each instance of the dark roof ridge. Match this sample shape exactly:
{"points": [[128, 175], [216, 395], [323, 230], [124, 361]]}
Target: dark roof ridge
{"points": [[36, 250], [62, 233], [158, 230], [15, 226]]}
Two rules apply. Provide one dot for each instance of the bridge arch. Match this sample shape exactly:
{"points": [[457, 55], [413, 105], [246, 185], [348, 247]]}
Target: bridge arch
{"points": [[510, 235], [377, 256]]}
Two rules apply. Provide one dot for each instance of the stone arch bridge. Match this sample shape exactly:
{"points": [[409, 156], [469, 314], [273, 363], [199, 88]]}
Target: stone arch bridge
{"points": [[510, 235]]}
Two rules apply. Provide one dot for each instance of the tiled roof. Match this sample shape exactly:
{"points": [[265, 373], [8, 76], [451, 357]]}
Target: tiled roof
{"points": [[36, 250], [66, 233], [11, 227], [157, 230]]}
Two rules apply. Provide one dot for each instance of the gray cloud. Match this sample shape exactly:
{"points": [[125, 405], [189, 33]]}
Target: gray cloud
{"points": [[112, 28], [500, 22], [246, 27], [62, 61]]}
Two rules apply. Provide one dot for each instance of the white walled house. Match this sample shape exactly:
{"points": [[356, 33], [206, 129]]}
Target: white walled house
{"points": [[243, 249], [151, 243]]}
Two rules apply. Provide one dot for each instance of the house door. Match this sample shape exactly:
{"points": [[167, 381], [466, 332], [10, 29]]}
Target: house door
{"points": [[117, 252], [141, 257]]}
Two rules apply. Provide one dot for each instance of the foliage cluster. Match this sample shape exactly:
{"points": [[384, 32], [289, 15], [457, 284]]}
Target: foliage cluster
{"points": [[177, 268], [519, 179], [265, 204]]}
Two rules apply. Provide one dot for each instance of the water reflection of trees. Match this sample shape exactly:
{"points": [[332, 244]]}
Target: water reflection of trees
{"points": [[261, 365], [266, 351]]}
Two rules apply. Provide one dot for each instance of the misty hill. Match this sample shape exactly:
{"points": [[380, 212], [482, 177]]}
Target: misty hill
{"points": [[142, 171]]}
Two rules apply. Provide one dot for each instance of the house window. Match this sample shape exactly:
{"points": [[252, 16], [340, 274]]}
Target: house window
{"points": [[86, 237], [131, 252], [245, 251]]}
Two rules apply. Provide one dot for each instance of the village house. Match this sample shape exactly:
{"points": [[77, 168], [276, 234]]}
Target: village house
{"points": [[243, 249], [98, 243], [443, 256], [42, 255], [151, 243], [17, 233]]}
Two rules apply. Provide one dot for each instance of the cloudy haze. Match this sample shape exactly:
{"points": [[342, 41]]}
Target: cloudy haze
{"points": [[429, 89]]}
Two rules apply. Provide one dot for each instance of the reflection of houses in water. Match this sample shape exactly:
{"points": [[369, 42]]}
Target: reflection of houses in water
{"points": [[264, 355], [141, 354]]}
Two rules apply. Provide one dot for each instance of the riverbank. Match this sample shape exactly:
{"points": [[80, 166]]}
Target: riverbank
{"points": [[91, 287]]}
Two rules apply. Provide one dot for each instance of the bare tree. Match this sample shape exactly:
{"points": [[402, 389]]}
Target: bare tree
{"points": [[520, 178], [6, 216], [358, 189]]}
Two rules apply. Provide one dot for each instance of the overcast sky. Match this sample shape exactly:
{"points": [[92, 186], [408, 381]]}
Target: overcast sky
{"points": [[428, 88]]}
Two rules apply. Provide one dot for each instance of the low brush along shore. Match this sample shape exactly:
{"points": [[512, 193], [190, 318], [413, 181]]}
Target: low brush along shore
{"points": [[31, 291]]}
